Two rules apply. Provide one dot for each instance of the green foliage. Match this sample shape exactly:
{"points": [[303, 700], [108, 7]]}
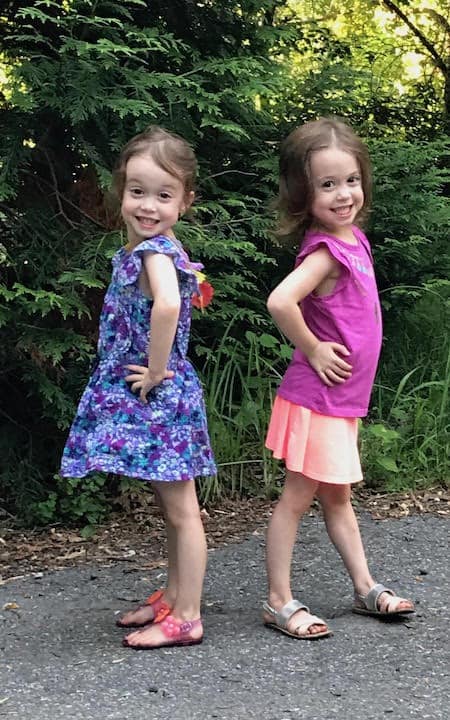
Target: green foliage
{"points": [[78, 79], [81, 79], [379, 447], [240, 377], [412, 391], [409, 224], [84, 502], [362, 60]]}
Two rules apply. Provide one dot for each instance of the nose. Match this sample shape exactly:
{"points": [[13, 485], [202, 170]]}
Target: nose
{"points": [[148, 202], [343, 192]]}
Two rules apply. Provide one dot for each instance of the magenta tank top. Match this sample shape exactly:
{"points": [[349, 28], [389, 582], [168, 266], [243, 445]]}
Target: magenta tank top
{"points": [[350, 315]]}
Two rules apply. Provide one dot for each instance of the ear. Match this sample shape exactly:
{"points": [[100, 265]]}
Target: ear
{"points": [[188, 200]]}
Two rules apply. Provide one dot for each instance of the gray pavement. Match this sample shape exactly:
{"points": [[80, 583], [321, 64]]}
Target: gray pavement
{"points": [[62, 659]]}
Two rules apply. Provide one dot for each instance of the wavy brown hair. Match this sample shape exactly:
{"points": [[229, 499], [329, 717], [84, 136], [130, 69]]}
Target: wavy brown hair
{"points": [[295, 193], [170, 151]]}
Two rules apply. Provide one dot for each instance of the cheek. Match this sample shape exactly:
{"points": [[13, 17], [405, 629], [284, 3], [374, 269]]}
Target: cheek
{"points": [[319, 200], [125, 207]]}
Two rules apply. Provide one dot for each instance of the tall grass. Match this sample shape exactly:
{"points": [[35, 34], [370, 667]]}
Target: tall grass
{"points": [[241, 376], [413, 449], [405, 442], [411, 396]]}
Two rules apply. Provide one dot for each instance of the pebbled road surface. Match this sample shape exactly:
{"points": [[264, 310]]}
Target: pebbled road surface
{"points": [[61, 655]]}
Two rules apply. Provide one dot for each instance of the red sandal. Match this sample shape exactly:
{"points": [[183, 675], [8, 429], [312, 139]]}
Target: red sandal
{"points": [[160, 611], [178, 634]]}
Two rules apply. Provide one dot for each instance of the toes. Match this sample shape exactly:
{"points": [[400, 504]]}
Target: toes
{"points": [[136, 638], [314, 629], [392, 603], [406, 605], [129, 639]]}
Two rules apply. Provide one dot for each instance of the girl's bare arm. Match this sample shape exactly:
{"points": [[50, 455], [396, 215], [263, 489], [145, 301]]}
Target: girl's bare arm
{"points": [[283, 305], [164, 289], [163, 281]]}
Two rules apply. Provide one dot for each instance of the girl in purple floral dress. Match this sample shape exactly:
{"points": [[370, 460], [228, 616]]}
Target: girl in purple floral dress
{"points": [[142, 413]]}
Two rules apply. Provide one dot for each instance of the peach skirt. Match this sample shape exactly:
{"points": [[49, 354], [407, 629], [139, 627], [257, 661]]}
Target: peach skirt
{"points": [[318, 446]]}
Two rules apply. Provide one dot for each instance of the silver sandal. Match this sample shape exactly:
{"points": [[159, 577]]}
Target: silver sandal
{"points": [[368, 604], [281, 619]]}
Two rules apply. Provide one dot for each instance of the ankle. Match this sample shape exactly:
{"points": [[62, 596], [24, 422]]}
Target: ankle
{"points": [[362, 587], [279, 600], [169, 596], [186, 614]]}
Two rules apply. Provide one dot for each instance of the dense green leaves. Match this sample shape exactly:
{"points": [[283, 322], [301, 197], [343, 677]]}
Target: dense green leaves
{"points": [[79, 78]]}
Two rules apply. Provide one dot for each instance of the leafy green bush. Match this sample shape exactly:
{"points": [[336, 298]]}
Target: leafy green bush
{"points": [[240, 378], [78, 79]]}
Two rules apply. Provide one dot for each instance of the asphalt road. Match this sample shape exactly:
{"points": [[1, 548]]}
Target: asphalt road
{"points": [[62, 659]]}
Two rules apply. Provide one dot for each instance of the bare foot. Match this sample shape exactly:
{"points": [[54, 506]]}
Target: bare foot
{"points": [[156, 635], [388, 603], [381, 602], [300, 618], [143, 615], [155, 609]]}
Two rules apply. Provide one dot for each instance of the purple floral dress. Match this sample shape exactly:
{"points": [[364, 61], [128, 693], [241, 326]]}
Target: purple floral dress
{"points": [[115, 432]]}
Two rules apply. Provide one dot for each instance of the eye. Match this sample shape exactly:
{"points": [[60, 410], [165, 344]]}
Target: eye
{"points": [[354, 179], [165, 195], [327, 184], [135, 191]]}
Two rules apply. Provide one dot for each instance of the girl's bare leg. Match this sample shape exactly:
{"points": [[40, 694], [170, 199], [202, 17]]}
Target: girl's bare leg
{"points": [[170, 592], [295, 500], [343, 530], [181, 508], [144, 613]]}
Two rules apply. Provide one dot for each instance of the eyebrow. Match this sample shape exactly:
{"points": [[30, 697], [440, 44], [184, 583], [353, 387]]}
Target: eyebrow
{"points": [[332, 177], [137, 181]]}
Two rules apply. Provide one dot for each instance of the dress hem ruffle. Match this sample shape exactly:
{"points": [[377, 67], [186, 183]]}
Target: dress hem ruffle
{"points": [[98, 466]]}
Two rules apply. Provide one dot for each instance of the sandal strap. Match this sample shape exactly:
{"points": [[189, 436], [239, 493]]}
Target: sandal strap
{"points": [[154, 597], [283, 616], [176, 630], [160, 608], [370, 601], [308, 622]]}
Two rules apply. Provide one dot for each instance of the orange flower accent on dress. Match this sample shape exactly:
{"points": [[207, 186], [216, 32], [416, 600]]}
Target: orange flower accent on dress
{"points": [[202, 299]]}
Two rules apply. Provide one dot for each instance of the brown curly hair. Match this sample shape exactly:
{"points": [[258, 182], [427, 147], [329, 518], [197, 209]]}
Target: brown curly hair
{"points": [[295, 193]]}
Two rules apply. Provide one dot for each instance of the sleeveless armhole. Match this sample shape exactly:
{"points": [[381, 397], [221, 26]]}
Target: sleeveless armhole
{"points": [[319, 241], [160, 245]]}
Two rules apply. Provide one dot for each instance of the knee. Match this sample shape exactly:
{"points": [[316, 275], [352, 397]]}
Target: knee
{"points": [[333, 497], [296, 507], [180, 515], [296, 501]]}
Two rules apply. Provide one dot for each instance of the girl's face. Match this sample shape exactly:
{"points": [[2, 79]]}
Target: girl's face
{"points": [[152, 199], [337, 191]]}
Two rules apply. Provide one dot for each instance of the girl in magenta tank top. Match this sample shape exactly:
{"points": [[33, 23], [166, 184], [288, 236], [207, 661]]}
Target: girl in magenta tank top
{"points": [[329, 309]]}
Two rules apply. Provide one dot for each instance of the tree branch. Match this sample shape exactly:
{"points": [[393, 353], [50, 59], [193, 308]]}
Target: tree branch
{"points": [[61, 197], [55, 187], [440, 63], [438, 18]]}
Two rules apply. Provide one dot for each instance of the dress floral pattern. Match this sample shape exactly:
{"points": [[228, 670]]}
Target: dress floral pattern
{"points": [[113, 431]]}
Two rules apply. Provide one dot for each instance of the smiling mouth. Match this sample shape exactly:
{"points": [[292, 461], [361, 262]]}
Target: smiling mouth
{"points": [[147, 222], [343, 211]]}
